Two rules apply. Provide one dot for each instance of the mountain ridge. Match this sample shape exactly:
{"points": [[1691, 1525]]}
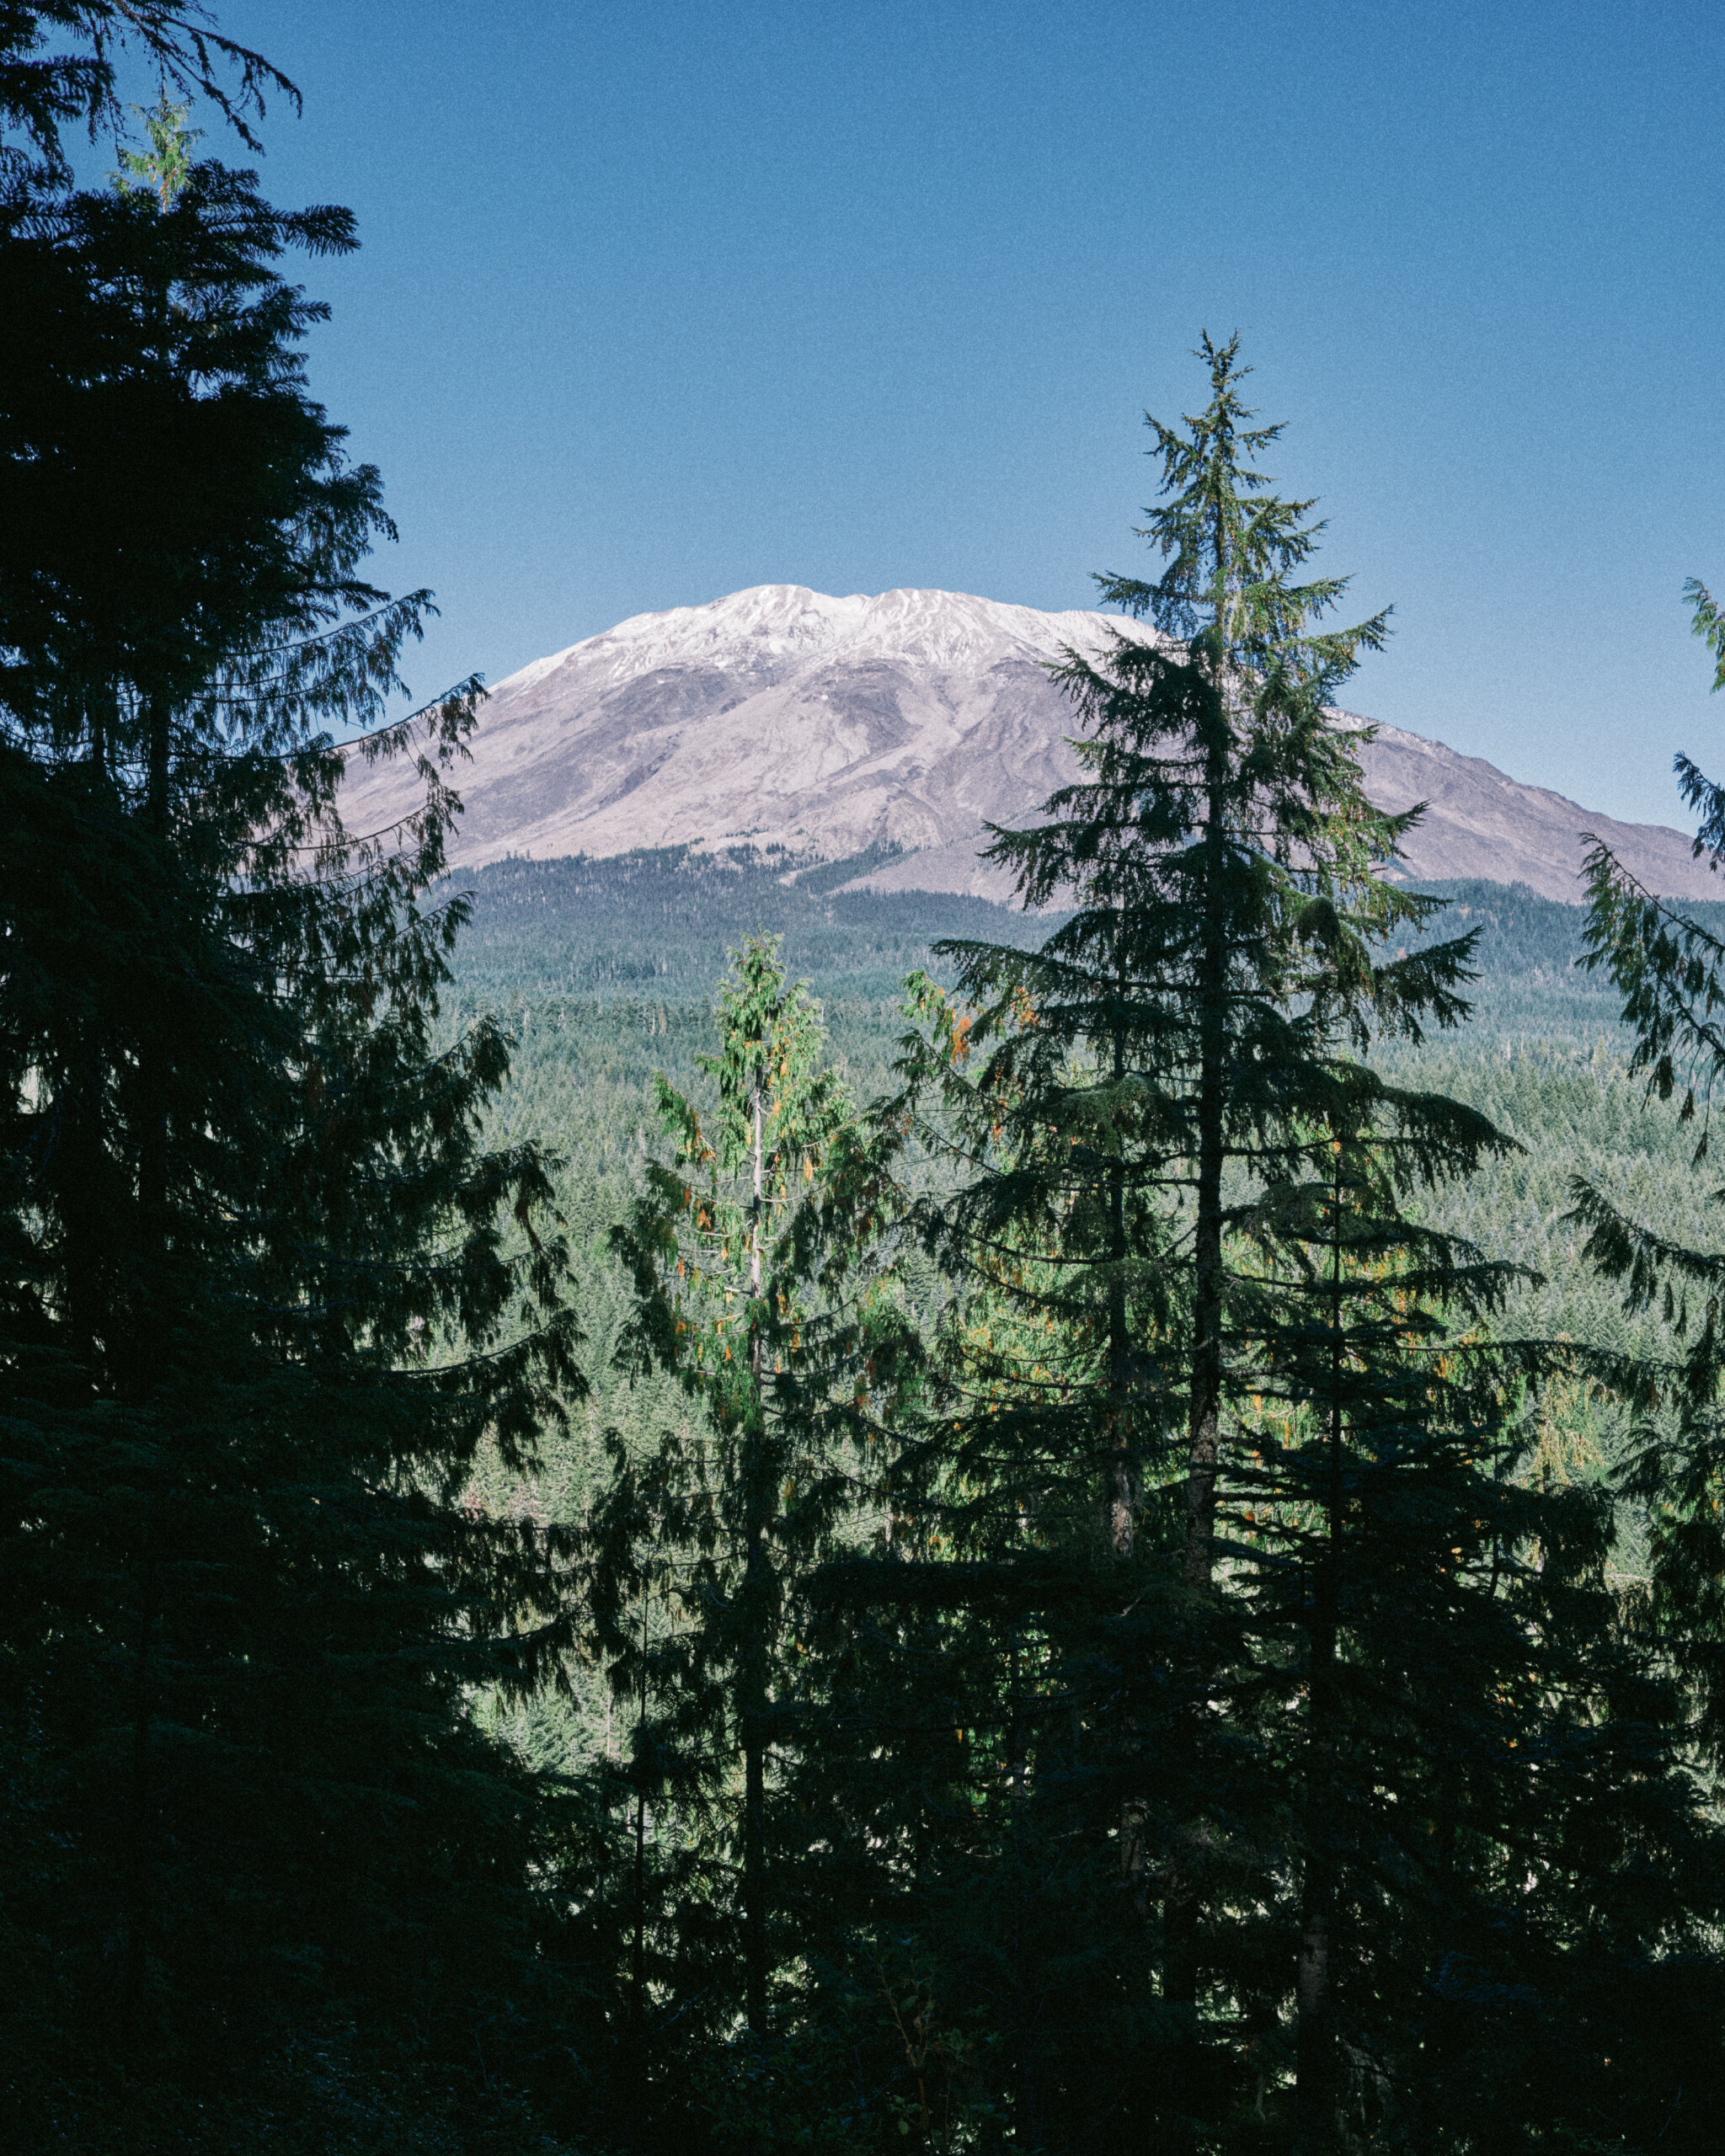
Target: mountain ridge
{"points": [[784, 718]]}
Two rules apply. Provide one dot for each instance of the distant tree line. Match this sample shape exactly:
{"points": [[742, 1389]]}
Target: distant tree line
{"points": [[1081, 1625]]}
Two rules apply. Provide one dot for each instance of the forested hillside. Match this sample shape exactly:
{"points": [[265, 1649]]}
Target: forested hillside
{"points": [[606, 971]]}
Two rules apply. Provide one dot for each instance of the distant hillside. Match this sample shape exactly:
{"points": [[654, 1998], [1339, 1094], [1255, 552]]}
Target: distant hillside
{"points": [[605, 972], [652, 930], [658, 924], [784, 718]]}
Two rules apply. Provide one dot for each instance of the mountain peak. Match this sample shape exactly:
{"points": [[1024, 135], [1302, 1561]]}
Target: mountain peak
{"points": [[781, 717], [769, 629]]}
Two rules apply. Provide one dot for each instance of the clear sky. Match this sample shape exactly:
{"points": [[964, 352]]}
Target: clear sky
{"points": [[658, 301]]}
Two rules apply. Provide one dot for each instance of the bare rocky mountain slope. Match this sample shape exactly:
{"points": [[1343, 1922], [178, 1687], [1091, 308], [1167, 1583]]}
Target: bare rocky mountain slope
{"points": [[779, 717]]}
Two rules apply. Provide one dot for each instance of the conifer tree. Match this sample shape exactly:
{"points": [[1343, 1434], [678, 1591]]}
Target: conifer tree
{"points": [[268, 1288], [57, 63], [1221, 854], [1669, 969], [1435, 1757], [1222, 827], [736, 1275], [1374, 1510], [1440, 1671]]}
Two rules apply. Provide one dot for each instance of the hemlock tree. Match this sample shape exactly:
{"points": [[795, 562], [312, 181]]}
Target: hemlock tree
{"points": [[1670, 971], [267, 1288]]}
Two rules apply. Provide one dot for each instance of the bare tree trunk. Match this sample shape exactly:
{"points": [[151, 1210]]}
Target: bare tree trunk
{"points": [[137, 1923], [754, 1865], [638, 1958], [1315, 2042], [1026, 2124]]}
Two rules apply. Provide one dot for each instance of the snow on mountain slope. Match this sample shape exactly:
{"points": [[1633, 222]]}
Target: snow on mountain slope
{"points": [[780, 716]]}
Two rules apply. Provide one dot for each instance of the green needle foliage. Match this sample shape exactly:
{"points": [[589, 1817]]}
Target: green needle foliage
{"points": [[1222, 832], [1236, 1666], [1093, 1634], [1116, 1095], [166, 166], [1500, 1858], [267, 1287], [57, 69], [748, 1252], [1669, 969]]}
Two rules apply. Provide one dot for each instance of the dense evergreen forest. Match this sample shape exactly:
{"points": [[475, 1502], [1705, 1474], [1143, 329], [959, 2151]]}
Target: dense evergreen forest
{"points": [[662, 1503], [605, 974], [605, 971]]}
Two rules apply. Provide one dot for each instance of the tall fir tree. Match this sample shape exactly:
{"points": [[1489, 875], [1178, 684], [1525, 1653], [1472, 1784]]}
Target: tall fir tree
{"points": [[1224, 822], [1430, 1757], [1221, 859]]}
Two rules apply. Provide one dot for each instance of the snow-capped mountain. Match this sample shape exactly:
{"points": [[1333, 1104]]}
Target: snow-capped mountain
{"points": [[781, 717]]}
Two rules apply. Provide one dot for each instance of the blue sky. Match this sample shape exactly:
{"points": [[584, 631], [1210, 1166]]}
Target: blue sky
{"points": [[660, 300]]}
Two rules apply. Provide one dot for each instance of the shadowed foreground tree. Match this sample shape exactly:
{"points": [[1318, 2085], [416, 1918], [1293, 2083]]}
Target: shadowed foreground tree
{"points": [[267, 1287], [1498, 1858]]}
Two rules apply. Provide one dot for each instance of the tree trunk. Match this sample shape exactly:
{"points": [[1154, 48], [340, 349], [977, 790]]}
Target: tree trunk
{"points": [[1213, 1075], [638, 1971], [137, 1917], [1181, 1903], [1027, 2134], [1315, 2040], [1120, 1510], [754, 1866], [151, 1277], [1212, 990], [1198, 1567], [1120, 1516]]}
